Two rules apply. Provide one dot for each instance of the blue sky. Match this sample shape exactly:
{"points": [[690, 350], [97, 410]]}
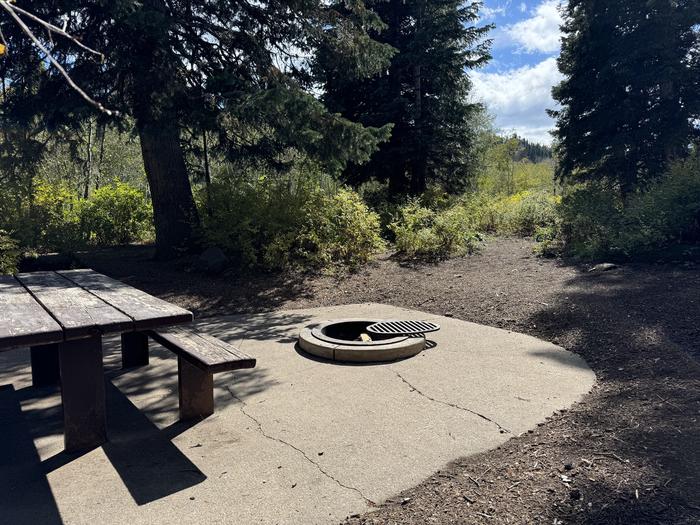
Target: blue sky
{"points": [[516, 85]]}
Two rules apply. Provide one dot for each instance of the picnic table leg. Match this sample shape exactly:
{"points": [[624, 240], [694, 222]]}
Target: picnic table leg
{"points": [[45, 365], [134, 349], [83, 391], [196, 391]]}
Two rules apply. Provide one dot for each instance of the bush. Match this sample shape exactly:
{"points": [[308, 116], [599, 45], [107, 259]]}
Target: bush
{"points": [[116, 214], [592, 218], [53, 219], [519, 214], [424, 233], [9, 254], [596, 223], [338, 228], [57, 219], [667, 212], [273, 221]]}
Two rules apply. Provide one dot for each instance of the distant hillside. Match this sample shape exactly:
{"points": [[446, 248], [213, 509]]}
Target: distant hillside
{"points": [[532, 151]]}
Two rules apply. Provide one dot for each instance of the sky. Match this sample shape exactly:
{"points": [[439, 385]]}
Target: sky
{"points": [[516, 85]]}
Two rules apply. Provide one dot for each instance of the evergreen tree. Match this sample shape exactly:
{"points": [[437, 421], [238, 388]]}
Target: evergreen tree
{"points": [[423, 93], [236, 68], [631, 91], [533, 151]]}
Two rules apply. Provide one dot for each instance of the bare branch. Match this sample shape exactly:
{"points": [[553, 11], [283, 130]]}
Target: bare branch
{"points": [[54, 29], [5, 4]]}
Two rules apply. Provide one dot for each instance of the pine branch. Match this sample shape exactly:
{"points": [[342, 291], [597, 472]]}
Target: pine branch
{"points": [[12, 10]]}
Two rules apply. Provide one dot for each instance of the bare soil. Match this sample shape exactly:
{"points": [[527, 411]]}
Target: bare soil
{"points": [[629, 453]]}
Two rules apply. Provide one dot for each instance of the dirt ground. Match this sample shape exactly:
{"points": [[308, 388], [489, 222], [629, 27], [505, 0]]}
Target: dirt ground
{"points": [[629, 453]]}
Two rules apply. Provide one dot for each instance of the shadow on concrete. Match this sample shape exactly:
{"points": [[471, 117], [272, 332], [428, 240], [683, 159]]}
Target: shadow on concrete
{"points": [[145, 458], [563, 358], [148, 463], [25, 494], [151, 382], [268, 326]]}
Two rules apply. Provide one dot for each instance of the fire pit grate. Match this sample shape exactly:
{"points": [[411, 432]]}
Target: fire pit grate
{"points": [[402, 328], [348, 340]]}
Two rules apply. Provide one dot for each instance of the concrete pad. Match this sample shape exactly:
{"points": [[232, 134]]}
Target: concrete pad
{"points": [[295, 440]]}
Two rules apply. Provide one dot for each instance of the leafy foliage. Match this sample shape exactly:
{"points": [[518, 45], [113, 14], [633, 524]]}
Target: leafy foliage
{"points": [[52, 221], [234, 68], [58, 219], [595, 224], [272, 221], [424, 233], [9, 253], [116, 214], [521, 214]]}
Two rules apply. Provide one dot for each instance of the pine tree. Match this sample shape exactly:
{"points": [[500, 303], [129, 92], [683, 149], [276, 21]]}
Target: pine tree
{"points": [[232, 67], [631, 89], [423, 93]]}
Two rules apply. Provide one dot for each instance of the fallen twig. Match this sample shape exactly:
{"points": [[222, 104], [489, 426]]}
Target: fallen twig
{"points": [[612, 455]]}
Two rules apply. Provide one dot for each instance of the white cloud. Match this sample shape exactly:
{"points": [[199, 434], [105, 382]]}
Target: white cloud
{"points": [[489, 13], [523, 7], [540, 32], [520, 97]]}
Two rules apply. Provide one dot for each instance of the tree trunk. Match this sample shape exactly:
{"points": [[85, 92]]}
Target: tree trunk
{"points": [[207, 172], [174, 212], [420, 163], [101, 130], [420, 166], [88, 162]]}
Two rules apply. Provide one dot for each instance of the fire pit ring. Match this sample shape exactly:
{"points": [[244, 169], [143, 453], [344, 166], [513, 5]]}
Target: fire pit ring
{"points": [[338, 341]]}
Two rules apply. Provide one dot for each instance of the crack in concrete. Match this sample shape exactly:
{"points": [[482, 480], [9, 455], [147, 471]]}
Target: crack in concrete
{"points": [[242, 406], [446, 403]]}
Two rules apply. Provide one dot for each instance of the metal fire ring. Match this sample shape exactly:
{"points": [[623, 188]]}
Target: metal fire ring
{"points": [[402, 328]]}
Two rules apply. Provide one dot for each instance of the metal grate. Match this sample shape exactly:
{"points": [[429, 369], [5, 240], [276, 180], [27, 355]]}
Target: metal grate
{"points": [[402, 327]]}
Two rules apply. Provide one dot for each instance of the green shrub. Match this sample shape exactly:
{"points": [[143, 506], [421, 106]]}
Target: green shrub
{"points": [[116, 214], [667, 212], [592, 218], [596, 223], [58, 219], [424, 233], [338, 228], [9, 254], [273, 221], [53, 220], [519, 214], [549, 242]]}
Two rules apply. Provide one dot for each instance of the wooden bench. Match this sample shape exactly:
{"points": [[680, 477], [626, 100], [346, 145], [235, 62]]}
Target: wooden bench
{"points": [[199, 357]]}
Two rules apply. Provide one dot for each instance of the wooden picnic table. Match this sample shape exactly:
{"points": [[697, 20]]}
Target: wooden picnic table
{"points": [[62, 316]]}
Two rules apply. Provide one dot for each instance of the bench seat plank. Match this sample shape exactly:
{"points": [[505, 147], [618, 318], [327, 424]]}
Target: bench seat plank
{"points": [[202, 350], [22, 320], [147, 311], [80, 313]]}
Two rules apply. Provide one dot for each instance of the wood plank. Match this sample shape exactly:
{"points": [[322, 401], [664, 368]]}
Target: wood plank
{"points": [[146, 311], [134, 349], [195, 390], [203, 350], [83, 394], [22, 320], [45, 367], [80, 313]]}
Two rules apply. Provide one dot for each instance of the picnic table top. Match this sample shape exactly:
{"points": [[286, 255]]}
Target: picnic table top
{"points": [[50, 307]]}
